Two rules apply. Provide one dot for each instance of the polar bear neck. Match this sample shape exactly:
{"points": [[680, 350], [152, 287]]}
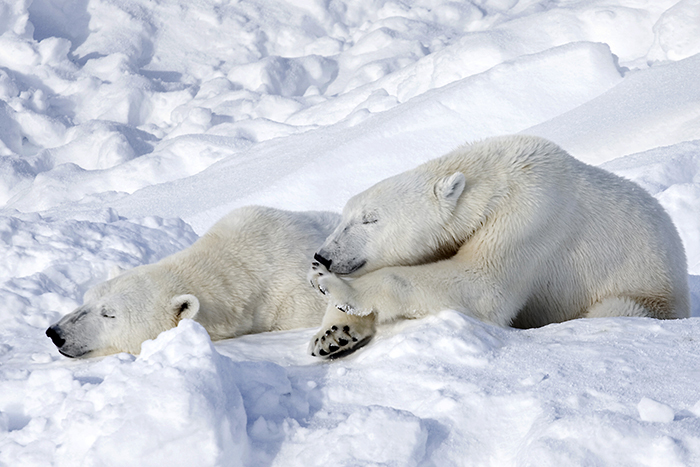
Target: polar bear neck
{"points": [[247, 286], [205, 277], [493, 170]]}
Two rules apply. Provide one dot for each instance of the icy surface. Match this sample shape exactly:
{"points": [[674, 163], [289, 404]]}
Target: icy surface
{"points": [[128, 127]]}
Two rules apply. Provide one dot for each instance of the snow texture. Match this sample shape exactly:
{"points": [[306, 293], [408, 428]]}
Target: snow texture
{"points": [[128, 127]]}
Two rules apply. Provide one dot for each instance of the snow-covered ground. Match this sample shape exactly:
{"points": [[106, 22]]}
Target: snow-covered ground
{"points": [[128, 127]]}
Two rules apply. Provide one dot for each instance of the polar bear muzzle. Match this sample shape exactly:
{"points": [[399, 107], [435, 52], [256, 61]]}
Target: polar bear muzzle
{"points": [[78, 333], [342, 266], [326, 262], [55, 333]]}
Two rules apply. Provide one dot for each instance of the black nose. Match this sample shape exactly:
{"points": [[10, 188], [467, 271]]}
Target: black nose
{"points": [[53, 333], [324, 261]]}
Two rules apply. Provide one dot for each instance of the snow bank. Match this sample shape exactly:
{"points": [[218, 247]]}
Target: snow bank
{"points": [[440, 389], [293, 172], [449, 388], [180, 402], [111, 412], [650, 108]]}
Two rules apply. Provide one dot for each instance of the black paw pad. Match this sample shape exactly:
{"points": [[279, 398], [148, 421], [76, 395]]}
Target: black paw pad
{"points": [[342, 342]]}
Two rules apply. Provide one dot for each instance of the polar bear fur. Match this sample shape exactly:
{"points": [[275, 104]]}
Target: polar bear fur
{"points": [[247, 274], [510, 230]]}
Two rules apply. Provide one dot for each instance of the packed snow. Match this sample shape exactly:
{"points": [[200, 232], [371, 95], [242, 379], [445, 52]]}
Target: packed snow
{"points": [[128, 127]]}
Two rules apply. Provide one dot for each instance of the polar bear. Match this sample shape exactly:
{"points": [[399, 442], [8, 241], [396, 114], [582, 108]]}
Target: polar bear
{"points": [[510, 230], [247, 274]]}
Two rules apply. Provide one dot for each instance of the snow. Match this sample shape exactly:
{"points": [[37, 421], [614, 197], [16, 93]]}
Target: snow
{"points": [[129, 127]]}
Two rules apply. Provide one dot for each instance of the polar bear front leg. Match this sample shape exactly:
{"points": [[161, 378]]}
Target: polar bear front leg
{"points": [[343, 329], [341, 333]]}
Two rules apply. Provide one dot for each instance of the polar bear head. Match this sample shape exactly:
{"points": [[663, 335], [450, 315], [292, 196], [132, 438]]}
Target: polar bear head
{"points": [[121, 313], [401, 221]]}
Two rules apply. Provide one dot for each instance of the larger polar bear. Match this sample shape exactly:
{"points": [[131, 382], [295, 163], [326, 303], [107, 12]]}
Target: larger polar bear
{"points": [[247, 274], [510, 230]]}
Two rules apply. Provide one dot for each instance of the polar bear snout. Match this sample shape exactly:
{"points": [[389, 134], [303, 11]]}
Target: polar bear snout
{"points": [[325, 262], [340, 266], [57, 336], [54, 333], [75, 334]]}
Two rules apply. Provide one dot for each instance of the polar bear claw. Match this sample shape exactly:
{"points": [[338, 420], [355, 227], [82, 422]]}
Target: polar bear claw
{"points": [[341, 333], [337, 341]]}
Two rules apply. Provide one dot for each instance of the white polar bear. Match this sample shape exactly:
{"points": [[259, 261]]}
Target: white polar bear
{"points": [[247, 274], [510, 230]]}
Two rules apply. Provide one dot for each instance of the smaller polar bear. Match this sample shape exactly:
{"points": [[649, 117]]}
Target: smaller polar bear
{"points": [[510, 230], [247, 274]]}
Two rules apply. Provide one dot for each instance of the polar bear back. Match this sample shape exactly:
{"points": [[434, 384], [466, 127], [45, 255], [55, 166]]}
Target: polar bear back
{"points": [[249, 270]]}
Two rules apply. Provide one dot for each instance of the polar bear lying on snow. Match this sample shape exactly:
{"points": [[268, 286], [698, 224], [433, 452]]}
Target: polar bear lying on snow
{"points": [[247, 274], [510, 230]]}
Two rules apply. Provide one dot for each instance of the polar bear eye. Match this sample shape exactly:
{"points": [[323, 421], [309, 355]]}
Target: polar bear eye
{"points": [[369, 219], [106, 314]]}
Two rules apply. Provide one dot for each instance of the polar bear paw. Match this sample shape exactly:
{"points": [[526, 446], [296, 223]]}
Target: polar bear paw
{"points": [[316, 272], [338, 341], [342, 295]]}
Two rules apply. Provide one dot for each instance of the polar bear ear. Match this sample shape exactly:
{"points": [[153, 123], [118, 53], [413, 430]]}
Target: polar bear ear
{"points": [[114, 271], [185, 306], [449, 189]]}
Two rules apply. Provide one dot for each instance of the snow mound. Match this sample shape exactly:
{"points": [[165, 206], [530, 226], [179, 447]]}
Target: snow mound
{"points": [[180, 374]]}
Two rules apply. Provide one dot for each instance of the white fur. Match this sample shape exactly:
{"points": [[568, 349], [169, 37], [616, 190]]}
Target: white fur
{"points": [[510, 230], [245, 275]]}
